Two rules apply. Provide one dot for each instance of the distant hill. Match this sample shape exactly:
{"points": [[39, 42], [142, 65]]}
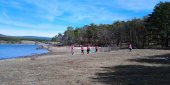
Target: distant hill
{"points": [[35, 37], [5, 37], [1, 35]]}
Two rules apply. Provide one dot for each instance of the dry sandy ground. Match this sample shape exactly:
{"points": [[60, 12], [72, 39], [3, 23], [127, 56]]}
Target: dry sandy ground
{"points": [[62, 68]]}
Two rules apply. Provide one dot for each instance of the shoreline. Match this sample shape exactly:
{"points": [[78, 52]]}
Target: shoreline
{"points": [[51, 52], [29, 56], [22, 57]]}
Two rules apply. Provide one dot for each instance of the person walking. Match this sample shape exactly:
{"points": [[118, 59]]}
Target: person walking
{"points": [[130, 47], [88, 49], [82, 50], [72, 49], [96, 49]]}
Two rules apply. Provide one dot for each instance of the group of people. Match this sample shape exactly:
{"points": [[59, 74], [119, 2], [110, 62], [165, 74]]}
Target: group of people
{"points": [[83, 50], [96, 49]]}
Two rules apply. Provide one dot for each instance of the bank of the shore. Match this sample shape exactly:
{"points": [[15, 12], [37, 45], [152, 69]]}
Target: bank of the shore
{"points": [[62, 68]]}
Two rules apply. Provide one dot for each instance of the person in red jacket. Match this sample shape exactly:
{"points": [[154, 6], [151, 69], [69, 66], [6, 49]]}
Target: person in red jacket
{"points": [[82, 50]]}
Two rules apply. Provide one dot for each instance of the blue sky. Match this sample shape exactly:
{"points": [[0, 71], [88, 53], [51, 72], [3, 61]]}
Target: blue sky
{"points": [[49, 17]]}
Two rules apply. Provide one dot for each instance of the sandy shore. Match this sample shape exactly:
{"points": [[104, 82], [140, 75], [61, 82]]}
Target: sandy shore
{"points": [[62, 68]]}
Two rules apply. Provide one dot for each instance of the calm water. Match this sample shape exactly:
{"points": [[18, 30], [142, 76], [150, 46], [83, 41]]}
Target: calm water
{"points": [[13, 51]]}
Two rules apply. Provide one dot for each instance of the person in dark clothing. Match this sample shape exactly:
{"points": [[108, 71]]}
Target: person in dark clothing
{"points": [[96, 49], [88, 49], [72, 49]]}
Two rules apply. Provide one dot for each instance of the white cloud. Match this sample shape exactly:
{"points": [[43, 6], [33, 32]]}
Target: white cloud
{"points": [[47, 9], [11, 3], [40, 26], [79, 11], [13, 27], [14, 32], [5, 15], [138, 5], [83, 11]]}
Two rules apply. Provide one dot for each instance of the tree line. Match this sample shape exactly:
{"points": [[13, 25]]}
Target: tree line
{"points": [[150, 31]]}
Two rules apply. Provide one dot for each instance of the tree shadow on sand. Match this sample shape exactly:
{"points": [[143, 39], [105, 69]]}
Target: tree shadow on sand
{"points": [[157, 59], [137, 74]]}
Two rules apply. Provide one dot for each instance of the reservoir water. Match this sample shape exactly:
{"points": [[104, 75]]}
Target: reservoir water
{"points": [[8, 51]]}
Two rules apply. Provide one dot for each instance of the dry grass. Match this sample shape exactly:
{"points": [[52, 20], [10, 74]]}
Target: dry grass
{"points": [[62, 68]]}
